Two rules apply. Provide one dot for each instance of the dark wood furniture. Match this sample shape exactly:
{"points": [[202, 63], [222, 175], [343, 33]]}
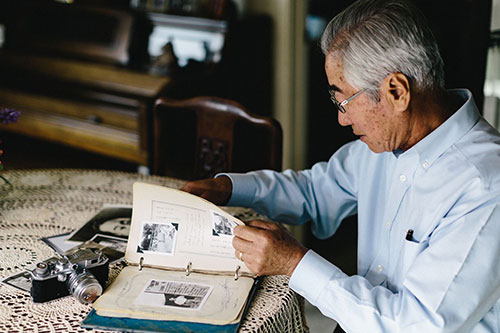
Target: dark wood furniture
{"points": [[199, 137], [72, 71], [81, 31], [86, 73], [92, 106]]}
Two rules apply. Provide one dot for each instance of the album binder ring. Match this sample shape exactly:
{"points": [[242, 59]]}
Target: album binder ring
{"points": [[188, 268], [237, 273], [140, 263]]}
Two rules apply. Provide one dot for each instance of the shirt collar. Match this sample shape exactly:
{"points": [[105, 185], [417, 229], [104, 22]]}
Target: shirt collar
{"points": [[449, 132]]}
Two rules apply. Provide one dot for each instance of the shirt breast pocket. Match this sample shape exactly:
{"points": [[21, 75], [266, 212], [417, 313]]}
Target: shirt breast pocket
{"points": [[411, 249]]}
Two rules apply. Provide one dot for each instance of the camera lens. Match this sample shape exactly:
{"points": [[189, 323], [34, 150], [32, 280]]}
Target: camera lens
{"points": [[84, 287]]}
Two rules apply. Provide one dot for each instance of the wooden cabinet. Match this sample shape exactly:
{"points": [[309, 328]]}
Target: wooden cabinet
{"points": [[78, 75], [97, 107], [86, 74]]}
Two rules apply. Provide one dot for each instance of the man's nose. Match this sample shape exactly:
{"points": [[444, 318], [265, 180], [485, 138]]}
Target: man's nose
{"points": [[343, 119]]}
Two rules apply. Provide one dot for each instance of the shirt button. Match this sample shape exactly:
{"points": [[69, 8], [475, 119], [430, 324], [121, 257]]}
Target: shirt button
{"points": [[388, 224], [380, 268], [402, 178], [425, 164]]}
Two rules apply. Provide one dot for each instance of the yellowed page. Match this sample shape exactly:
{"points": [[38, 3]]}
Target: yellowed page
{"points": [[223, 304], [172, 228]]}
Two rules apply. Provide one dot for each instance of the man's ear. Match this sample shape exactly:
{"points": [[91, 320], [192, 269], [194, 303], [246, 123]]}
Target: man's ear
{"points": [[397, 91]]}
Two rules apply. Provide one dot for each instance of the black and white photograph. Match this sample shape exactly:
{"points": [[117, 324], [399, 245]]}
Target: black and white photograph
{"points": [[112, 254], [158, 237], [20, 281], [59, 243], [222, 226], [175, 294], [115, 243], [109, 221]]}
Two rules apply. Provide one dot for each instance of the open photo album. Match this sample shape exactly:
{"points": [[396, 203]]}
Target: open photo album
{"points": [[181, 265]]}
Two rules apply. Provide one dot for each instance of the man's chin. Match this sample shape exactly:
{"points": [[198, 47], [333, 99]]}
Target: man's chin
{"points": [[374, 148]]}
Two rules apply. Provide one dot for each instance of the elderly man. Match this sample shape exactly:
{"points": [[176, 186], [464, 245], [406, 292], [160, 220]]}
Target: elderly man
{"points": [[424, 179]]}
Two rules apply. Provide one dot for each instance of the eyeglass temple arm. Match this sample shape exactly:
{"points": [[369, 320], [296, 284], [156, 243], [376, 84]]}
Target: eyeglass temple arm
{"points": [[352, 97]]}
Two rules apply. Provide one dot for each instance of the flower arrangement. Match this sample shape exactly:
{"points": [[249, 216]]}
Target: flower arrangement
{"points": [[7, 116]]}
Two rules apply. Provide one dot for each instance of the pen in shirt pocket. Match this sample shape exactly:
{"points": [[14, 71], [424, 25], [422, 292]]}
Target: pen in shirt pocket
{"points": [[409, 235]]}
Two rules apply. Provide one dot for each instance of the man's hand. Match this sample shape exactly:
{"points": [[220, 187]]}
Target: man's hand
{"points": [[217, 190], [267, 248]]}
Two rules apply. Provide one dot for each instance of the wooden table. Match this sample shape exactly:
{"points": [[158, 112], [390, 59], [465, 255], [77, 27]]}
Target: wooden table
{"points": [[42, 203]]}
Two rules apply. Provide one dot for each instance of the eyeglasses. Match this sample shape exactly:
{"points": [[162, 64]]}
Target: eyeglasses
{"points": [[340, 105]]}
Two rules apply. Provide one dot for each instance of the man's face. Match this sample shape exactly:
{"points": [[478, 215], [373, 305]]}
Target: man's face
{"points": [[373, 122]]}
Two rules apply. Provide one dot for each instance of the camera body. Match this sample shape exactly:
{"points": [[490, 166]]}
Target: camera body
{"points": [[82, 272]]}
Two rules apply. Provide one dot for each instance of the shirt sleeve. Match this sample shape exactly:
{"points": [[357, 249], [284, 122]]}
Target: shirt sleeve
{"points": [[442, 291], [325, 194]]}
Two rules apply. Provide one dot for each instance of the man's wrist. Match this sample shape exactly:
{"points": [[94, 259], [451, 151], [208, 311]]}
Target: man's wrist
{"points": [[300, 253], [224, 187], [242, 190]]}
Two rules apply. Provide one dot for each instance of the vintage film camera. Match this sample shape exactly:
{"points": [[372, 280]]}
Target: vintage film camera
{"points": [[81, 272]]}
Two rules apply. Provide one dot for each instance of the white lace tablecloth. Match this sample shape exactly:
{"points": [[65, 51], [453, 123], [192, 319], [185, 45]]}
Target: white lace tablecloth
{"points": [[43, 203]]}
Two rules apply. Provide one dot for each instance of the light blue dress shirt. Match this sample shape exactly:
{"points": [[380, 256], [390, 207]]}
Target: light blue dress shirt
{"points": [[446, 188]]}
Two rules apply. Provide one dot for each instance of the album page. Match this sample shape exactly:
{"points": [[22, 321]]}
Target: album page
{"points": [[171, 295], [174, 229]]}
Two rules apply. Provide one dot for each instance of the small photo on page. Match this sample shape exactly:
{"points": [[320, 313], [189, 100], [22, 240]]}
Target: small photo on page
{"points": [[180, 295], [158, 237], [222, 226]]}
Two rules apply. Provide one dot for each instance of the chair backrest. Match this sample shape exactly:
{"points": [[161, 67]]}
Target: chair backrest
{"points": [[199, 137]]}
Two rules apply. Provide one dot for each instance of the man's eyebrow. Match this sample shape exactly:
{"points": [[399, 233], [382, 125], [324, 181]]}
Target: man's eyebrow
{"points": [[334, 88]]}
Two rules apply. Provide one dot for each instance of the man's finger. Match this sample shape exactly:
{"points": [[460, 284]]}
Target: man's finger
{"points": [[249, 233], [244, 232], [242, 245], [191, 187], [263, 225]]}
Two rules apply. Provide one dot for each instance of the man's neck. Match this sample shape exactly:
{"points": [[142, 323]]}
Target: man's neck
{"points": [[428, 112]]}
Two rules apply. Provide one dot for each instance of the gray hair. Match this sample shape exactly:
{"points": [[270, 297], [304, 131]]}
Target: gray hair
{"points": [[375, 38]]}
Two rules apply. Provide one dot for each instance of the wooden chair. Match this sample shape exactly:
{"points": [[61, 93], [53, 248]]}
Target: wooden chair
{"points": [[199, 137]]}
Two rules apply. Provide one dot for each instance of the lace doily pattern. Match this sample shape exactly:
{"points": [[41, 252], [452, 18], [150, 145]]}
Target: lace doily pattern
{"points": [[275, 308], [42, 203]]}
